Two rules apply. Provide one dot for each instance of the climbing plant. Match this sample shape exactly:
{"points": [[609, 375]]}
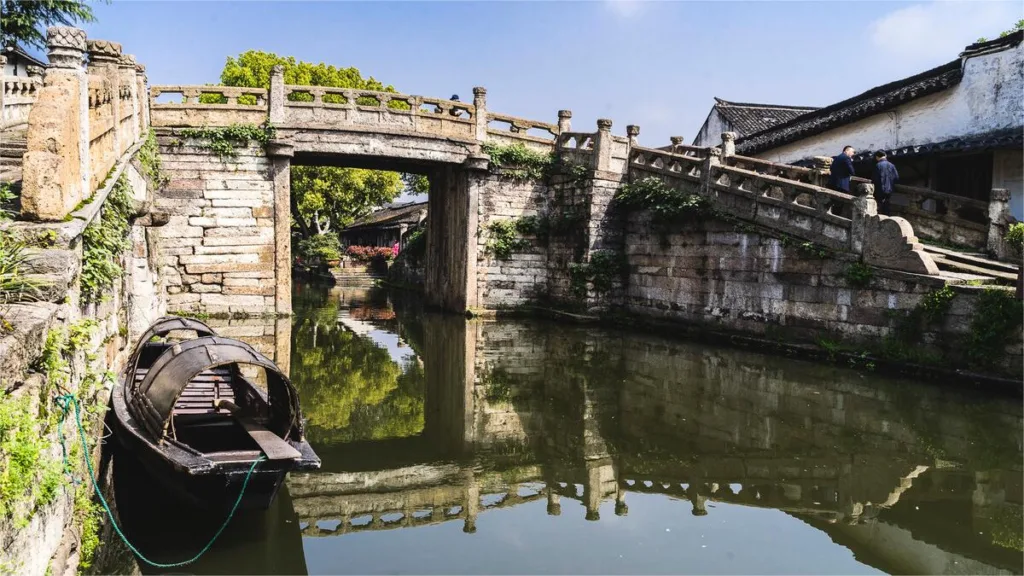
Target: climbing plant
{"points": [[667, 205], [519, 162], [859, 275], [104, 242], [997, 315], [14, 285], [604, 267], [225, 141], [149, 158], [1015, 236], [506, 236]]}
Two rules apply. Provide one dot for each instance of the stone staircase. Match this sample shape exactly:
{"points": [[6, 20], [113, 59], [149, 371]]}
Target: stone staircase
{"points": [[973, 266]]}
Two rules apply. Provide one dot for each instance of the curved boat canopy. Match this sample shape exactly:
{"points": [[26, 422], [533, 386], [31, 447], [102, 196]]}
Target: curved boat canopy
{"points": [[162, 327]]}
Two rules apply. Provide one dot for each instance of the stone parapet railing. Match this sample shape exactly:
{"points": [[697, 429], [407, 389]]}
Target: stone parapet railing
{"points": [[82, 121], [16, 99], [943, 217], [517, 132], [225, 105]]}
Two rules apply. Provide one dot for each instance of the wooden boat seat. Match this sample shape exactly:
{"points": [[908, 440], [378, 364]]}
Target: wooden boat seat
{"points": [[202, 392]]}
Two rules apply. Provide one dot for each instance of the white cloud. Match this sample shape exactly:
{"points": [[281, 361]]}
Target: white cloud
{"points": [[936, 32], [624, 8]]}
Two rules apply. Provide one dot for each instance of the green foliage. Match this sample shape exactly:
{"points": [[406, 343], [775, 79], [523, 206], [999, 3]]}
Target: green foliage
{"points": [[104, 242], [1019, 25], [88, 514], [859, 275], [604, 267], [416, 183], [520, 162], [27, 472], [666, 204], [1015, 236], [149, 158], [997, 315], [7, 200], [415, 246], [320, 248], [1006, 527], [225, 141], [80, 333], [505, 236], [14, 286], [26, 21], [911, 325]]}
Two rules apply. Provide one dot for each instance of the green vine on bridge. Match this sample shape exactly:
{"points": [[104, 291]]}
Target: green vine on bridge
{"points": [[600, 273], [104, 243], [506, 236], [225, 141], [519, 162], [667, 205], [997, 316]]}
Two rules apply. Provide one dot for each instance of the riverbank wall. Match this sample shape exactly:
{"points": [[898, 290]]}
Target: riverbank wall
{"points": [[80, 286]]}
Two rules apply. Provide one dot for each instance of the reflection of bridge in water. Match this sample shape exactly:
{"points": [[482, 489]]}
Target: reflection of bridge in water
{"points": [[519, 413]]}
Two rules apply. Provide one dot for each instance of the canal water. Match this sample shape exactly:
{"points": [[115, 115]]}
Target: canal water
{"points": [[454, 446]]}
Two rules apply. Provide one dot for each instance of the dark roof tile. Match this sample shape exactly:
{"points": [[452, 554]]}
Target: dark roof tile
{"points": [[747, 118], [393, 215]]}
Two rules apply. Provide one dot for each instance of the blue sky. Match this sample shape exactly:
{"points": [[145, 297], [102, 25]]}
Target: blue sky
{"points": [[655, 64]]}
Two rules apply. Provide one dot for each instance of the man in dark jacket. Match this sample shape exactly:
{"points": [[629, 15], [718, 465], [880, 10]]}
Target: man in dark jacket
{"points": [[885, 178], [842, 170]]}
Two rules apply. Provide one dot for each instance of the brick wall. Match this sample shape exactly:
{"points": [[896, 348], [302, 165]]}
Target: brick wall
{"points": [[217, 252]]}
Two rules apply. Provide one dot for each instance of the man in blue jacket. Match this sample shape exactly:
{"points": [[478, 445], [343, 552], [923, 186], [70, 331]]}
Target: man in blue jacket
{"points": [[842, 170], [885, 178]]}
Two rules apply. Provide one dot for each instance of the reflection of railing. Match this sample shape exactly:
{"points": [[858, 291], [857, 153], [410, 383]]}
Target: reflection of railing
{"points": [[19, 93]]}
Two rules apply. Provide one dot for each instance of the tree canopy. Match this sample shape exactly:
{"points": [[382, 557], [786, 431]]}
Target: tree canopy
{"points": [[323, 198], [25, 21]]}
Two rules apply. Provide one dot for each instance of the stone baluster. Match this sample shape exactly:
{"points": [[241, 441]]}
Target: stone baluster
{"points": [[632, 131], [55, 165], [708, 169], [821, 170], [564, 121], [126, 68], [143, 92], [728, 146], [276, 96], [480, 116], [998, 219], [104, 57], [603, 145]]}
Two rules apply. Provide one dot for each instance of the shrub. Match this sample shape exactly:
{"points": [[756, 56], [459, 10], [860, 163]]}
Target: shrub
{"points": [[320, 248]]}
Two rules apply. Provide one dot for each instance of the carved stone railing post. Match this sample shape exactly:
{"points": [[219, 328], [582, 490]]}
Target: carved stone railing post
{"points": [[864, 207], [632, 131], [126, 68], [143, 97], [603, 145], [55, 165], [707, 172], [480, 103], [998, 220], [677, 141], [821, 170], [564, 121], [276, 96], [728, 146], [103, 61]]}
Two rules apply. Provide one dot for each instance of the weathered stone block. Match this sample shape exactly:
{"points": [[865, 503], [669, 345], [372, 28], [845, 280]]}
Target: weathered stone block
{"points": [[212, 278], [205, 222], [205, 288]]}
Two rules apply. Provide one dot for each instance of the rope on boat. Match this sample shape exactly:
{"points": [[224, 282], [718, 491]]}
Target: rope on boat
{"points": [[67, 401]]}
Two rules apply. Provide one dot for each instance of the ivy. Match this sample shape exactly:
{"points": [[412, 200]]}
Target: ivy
{"points": [[859, 275], [519, 162], [103, 243], [600, 273], [149, 158], [14, 285], [27, 472], [225, 141], [666, 204], [997, 315], [506, 236], [1015, 236], [910, 325]]}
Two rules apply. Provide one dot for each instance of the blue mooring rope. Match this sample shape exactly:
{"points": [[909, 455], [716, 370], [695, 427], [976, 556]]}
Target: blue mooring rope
{"points": [[66, 401]]}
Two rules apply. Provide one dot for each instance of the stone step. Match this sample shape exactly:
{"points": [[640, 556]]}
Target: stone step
{"points": [[945, 263], [972, 259]]}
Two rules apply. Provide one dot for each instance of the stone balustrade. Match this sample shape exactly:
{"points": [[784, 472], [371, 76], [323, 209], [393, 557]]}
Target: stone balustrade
{"points": [[679, 165], [82, 121], [16, 99], [198, 106], [797, 173], [942, 217], [517, 132]]}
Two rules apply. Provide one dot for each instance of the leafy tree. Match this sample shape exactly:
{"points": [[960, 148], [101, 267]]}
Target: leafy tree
{"points": [[1018, 26], [323, 198], [25, 21]]}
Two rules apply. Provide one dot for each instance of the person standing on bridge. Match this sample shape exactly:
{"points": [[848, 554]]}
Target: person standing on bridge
{"points": [[885, 178], [842, 170]]}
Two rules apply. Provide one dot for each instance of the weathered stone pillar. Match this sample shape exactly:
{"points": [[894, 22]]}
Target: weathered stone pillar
{"points": [[281, 154], [707, 176], [472, 502], [55, 165], [126, 66], [677, 141], [632, 131], [276, 96], [998, 219], [564, 123], [821, 170], [104, 57], [728, 146], [554, 504], [480, 103], [603, 145], [140, 81], [864, 208]]}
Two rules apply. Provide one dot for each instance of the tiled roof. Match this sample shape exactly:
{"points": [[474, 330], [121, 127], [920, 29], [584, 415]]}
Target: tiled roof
{"points": [[1006, 139], [850, 110], [746, 118], [20, 52], [409, 213]]}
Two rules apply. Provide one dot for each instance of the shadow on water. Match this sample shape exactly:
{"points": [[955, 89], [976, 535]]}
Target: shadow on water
{"points": [[533, 447]]}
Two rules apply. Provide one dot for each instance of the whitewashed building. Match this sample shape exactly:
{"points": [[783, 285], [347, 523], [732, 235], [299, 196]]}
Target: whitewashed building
{"points": [[17, 61], [957, 128], [744, 119]]}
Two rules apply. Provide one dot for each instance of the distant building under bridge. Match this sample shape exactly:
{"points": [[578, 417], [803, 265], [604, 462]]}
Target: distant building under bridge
{"points": [[386, 226]]}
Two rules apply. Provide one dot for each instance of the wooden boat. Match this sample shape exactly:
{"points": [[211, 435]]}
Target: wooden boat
{"points": [[197, 424]]}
